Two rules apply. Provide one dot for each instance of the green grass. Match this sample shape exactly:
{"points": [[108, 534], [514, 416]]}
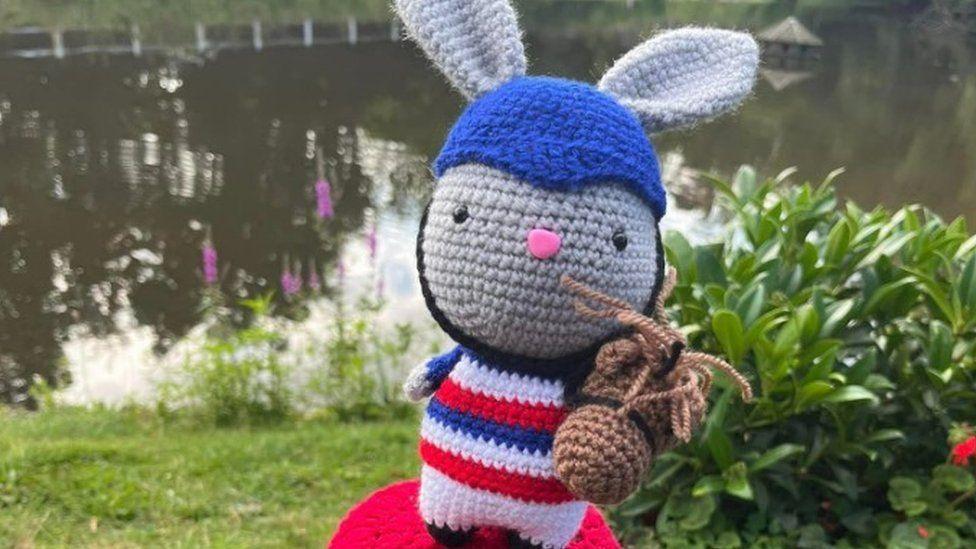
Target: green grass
{"points": [[121, 479]]}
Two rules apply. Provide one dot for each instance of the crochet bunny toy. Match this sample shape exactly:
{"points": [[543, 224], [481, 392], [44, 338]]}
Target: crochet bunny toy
{"points": [[539, 178]]}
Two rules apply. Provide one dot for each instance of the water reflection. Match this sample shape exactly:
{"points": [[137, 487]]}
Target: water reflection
{"points": [[114, 170]]}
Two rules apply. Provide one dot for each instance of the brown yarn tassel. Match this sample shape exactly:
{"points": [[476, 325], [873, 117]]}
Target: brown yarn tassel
{"points": [[646, 395]]}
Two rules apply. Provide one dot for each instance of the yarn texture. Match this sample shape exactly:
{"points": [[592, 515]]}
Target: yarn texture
{"points": [[388, 519], [556, 134], [486, 444], [543, 178], [477, 44], [487, 290], [684, 76], [646, 395]]}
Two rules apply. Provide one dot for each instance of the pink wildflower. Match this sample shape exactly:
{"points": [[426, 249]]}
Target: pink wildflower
{"points": [[323, 197], [371, 242], [291, 283], [210, 272], [314, 282]]}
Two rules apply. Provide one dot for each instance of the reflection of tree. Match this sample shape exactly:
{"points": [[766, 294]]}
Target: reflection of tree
{"points": [[111, 168], [109, 171]]}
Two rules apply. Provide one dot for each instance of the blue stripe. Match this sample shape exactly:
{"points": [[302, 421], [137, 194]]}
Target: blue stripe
{"points": [[440, 367], [506, 435]]}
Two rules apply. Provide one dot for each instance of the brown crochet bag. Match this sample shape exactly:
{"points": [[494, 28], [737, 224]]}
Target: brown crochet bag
{"points": [[646, 394]]}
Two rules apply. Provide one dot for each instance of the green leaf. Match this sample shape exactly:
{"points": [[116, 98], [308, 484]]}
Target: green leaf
{"points": [[708, 485], [884, 294], [681, 255], [813, 392], [966, 289], [765, 324], [837, 316], [864, 366], [730, 334], [940, 345], [885, 435], [906, 536], [905, 494], [942, 537], [936, 292], [887, 248], [838, 242], [660, 479], [851, 393], [809, 323], [744, 182], [829, 180], [776, 455], [968, 246], [812, 536], [788, 338], [956, 518], [737, 481], [709, 265], [687, 513], [698, 514], [786, 174], [716, 439], [751, 304], [723, 188], [728, 540], [820, 357], [953, 479]]}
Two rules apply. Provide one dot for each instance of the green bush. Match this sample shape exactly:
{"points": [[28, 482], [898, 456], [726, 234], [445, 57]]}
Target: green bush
{"points": [[236, 379], [255, 375], [857, 329], [364, 367]]}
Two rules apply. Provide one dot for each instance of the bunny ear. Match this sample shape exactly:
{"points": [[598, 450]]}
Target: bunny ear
{"points": [[684, 76], [476, 43]]}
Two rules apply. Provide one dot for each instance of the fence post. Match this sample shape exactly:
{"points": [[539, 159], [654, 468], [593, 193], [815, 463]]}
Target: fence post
{"points": [[136, 41], [257, 35], [308, 33], [395, 29], [201, 37], [353, 31], [57, 43]]}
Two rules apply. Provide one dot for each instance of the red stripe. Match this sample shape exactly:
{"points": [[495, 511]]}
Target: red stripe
{"points": [[499, 481], [539, 417]]}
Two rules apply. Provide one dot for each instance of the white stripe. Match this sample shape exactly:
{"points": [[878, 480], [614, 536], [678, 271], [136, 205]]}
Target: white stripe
{"points": [[487, 452], [444, 501], [509, 386]]}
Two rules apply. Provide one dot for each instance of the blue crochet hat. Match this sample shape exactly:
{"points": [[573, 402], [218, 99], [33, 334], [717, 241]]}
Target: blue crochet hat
{"points": [[556, 134]]}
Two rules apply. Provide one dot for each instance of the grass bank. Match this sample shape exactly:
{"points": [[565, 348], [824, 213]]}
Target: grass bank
{"points": [[121, 479]]}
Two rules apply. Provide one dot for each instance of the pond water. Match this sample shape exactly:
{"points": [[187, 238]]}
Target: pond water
{"points": [[114, 169]]}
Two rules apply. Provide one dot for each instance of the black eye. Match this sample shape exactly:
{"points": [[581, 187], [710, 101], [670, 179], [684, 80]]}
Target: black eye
{"points": [[461, 214], [620, 239]]}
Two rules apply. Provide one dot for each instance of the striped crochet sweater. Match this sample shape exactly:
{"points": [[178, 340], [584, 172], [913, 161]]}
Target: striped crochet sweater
{"points": [[486, 444]]}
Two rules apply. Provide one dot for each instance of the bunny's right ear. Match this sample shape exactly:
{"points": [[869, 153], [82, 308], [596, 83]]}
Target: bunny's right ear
{"points": [[684, 76], [475, 43]]}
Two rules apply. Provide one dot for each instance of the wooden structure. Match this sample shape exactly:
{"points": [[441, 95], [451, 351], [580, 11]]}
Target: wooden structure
{"points": [[34, 42], [789, 38]]}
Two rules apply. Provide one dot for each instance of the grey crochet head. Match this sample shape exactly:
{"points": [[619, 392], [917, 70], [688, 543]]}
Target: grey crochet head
{"points": [[543, 177]]}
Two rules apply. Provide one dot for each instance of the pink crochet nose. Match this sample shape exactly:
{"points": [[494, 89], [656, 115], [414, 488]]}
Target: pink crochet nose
{"points": [[544, 244]]}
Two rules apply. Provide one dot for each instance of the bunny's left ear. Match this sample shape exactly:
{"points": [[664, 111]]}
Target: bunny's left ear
{"points": [[684, 76]]}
